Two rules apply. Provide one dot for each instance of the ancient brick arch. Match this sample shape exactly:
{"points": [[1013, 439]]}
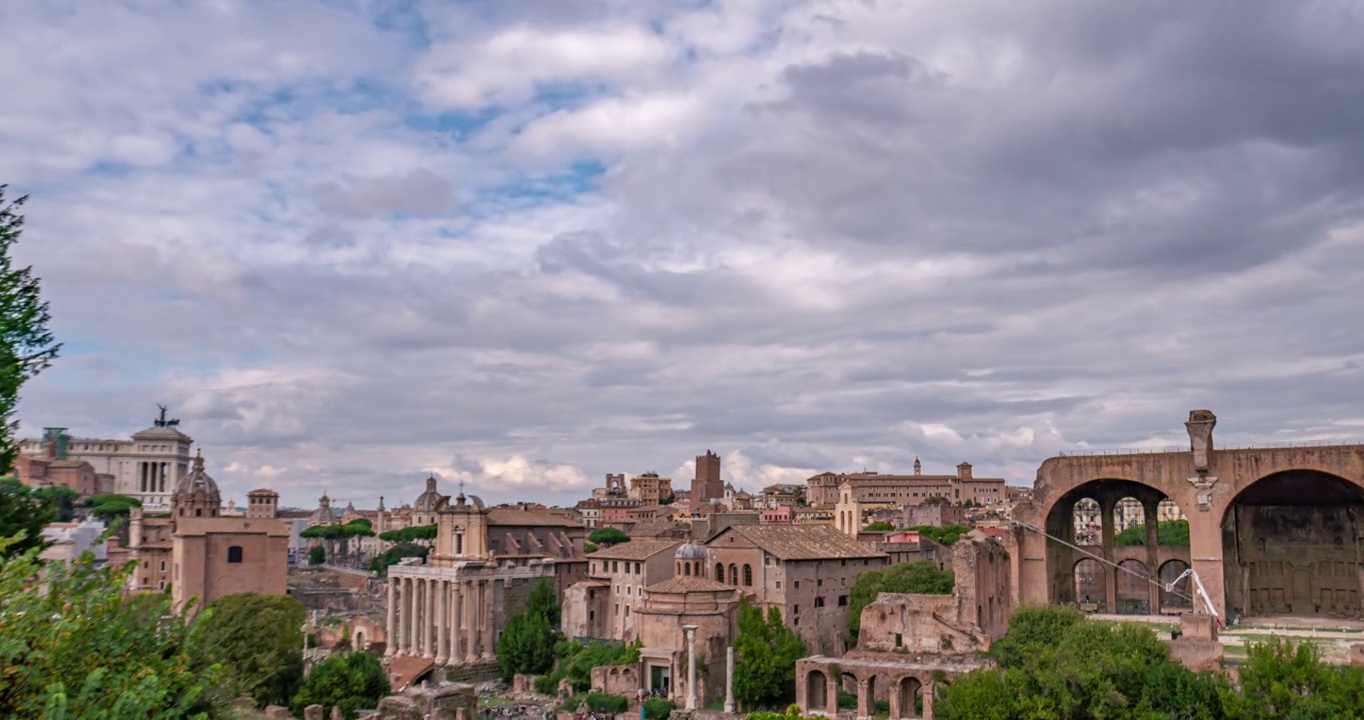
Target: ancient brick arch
{"points": [[1210, 486], [878, 676]]}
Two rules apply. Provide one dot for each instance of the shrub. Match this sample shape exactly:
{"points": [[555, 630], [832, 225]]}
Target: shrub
{"points": [[317, 555], [658, 708], [609, 704]]}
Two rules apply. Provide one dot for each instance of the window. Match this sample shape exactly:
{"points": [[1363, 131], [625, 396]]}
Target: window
{"points": [[899, 640], [842, 600], [198, 512], [459, 543], [234, 554], [638, 570], [163, 566], [795, 610], [719, 572], [819, 602], [748, 575], [615, 566], [627, 611], [796, 585], [819, 583], [686, 569], [733, 574]]}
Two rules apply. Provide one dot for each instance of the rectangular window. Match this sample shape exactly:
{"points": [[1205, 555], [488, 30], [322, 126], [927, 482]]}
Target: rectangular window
{"points": [[615, 566], [819, 602], [638, 570], [796, 585], [819, 583], [234, 554], [795, 610], [163, 566], [899, 640], [842, 600]]}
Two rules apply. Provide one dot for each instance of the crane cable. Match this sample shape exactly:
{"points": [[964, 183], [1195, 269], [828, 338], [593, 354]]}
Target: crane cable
{"points": [[1167, 588]]}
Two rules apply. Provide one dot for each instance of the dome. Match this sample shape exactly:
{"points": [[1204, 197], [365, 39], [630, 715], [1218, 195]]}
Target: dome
{"points": [[427, 501], [196, 495], [690, 551], [197, 480]]}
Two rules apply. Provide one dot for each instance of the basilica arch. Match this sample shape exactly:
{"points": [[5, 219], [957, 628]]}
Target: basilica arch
{"points": [[1247, 509]]}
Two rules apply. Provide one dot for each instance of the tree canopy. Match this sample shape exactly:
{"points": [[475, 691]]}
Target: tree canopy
{"points": [[765, 675], [1056, 663], [1168, 533], [917, 578], [26, 345], [25, 513], [608, 537], [353, 681], [77, 646], [258, 639], [942, 535], [355, 528], [879, 527], [391, 556], [61, 499], [415, 533]]}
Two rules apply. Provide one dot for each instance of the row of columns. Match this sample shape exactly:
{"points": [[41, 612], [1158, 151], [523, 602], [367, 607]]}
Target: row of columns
{"points": [[1150, 512], [152, 477], [448, 620]]}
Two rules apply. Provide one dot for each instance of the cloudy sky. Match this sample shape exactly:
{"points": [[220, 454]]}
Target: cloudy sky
{"points": [[529, 242]]}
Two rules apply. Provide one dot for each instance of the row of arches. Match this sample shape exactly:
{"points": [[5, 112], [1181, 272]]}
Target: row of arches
{"points": [[904, 697], [1292, 542], [734, 571]]}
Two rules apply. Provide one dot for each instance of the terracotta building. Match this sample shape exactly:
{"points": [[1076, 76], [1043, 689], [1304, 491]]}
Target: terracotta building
{"points": [[806, 572], [48, 471], [197, 553], [606, 605], [875, 488]]}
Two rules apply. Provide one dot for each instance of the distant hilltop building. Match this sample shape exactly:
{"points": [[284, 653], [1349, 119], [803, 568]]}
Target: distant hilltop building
{"points": [[147, 467], [875, 488], [707, 485]]}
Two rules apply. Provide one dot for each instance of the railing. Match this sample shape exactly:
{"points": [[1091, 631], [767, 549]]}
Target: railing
{"points": [[1216, 447]]}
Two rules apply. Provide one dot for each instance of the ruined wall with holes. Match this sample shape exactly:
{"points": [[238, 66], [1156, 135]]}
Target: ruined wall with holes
{"points": [[1294, 560]]}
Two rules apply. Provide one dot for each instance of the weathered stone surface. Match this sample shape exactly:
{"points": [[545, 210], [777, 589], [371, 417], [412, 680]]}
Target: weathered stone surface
{"points": [[312, 712], [275, 712], [396, 707]]}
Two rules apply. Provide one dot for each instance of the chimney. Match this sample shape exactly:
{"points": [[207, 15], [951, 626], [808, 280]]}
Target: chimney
{"points": [[964, 471]]}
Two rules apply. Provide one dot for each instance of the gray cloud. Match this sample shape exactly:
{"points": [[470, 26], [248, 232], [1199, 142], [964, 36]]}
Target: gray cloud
{"points": [[957, 232]]}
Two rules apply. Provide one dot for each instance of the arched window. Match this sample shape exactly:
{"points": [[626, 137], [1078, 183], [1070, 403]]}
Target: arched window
{"points": [[748, 574], [198, 512], [688, 570], [719, 572], [733, 574]]}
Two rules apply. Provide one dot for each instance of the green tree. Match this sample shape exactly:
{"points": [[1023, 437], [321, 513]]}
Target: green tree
{"points": [[608, 537], [352, 682], [26, 345], [942, 535], [1284, 680], [527, 644], [23, 514], [1054, 663], [417, 533], [1168, 533], [317, 555], [917, 578], [391, 556], [879, 527], [589, 548], [765, 675], [61, 499], [76, 645], [258, 639]]}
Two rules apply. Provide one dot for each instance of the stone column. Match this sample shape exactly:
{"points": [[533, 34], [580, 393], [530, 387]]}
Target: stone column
{"points": [[429, 626], [392, 618], [690, 631], [405, 616], [1152, 512], [442, 610], [1107, 552], [729, 679], [866, 705], [456, 625], [485, 619], [470, 623]]}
